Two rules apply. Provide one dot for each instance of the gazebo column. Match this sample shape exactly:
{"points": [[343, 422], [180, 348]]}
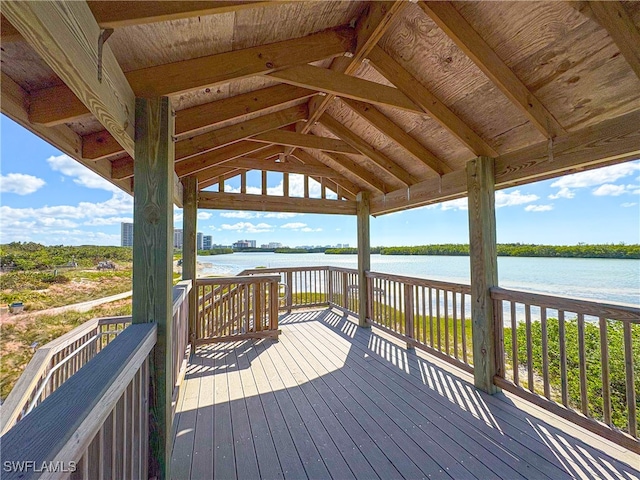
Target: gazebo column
{"points": [[189, 247], [364, 256], [484, 270], [153, 263]]}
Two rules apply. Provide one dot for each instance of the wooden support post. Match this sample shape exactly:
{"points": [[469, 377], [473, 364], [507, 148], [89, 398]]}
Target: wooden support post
{"points": [[306, 186], [289, 299], [484, 270], [153, 263], [285, 184], [264, 182], [364, 255], [408, 313], [189, 248], [243, 182]]}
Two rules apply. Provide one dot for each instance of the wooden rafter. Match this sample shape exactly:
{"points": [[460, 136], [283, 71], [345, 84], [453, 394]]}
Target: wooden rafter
{"points": [[410, 86], [311, 142], [261, 203], [8, 32], [445, 15], [14, 105], [609, 142], [116, 14], [346, 166], [203, 118], [188, 75], [620, 27], [383, 123], [336, 83], [247, 163], [47, 26], [212, 168], [381, 160], [96, 146], [305, 158]]}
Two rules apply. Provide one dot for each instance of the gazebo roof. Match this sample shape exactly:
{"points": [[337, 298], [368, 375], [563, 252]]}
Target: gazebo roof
{"points": [[392, 98]]}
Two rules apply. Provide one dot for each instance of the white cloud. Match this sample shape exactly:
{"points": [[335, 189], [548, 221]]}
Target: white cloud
{"points": [[98, 222], [293, 225], [564, 192], [457, 204], [514, 198], [309, 229], [279, 215], [593, 178], [238, 215], [247, 227], [538, 208], [250, 215], [20, 183], [608, 189], [204, 215], [628, 204], [81, 175]]}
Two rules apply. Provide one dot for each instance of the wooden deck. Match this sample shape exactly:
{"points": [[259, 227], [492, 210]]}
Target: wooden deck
{"points": [[330, 400]]}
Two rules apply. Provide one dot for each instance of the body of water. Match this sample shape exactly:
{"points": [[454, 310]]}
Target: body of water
{"points": [[606, 280]]}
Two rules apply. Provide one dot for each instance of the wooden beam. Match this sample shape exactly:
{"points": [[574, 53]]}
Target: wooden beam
{"points": [[445, 15], [216, 157], [188, 75], [189, 249], [222, 168], [610, 142], [428, 103], [178, 191], [621, 28], [203, 118], [311, 142], [195, 120], [383, 123], [117, 14], [342, 85], [367, 150], [15, 102], [247, 163], [346, 166], [269, 203], [484, 272], [153, 264], [8, 33], [65, 36], [234, 133], [364, 256], [305, 158], [219, 176]]}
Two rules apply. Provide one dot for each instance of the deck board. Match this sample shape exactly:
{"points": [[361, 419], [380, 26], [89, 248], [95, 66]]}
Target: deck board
{"points": [[331, 400]]}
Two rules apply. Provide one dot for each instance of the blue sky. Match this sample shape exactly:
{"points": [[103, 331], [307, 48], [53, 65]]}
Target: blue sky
{"points": [[49, 198]]}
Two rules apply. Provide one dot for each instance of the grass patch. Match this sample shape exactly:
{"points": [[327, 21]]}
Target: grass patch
{"points": [[22, 331]]}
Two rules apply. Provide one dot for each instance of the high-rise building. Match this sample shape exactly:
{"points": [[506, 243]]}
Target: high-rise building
{"points": [[126, 234], [207, 242], [177, 238], [244, 244], [199, 241]]}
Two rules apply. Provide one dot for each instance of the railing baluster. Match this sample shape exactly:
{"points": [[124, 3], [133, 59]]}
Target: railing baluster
{"points": [[464, 328], [514, 344], [455, 324], [604, 359], [527, 319], [438, 317], [431, 316], [446, 321], [545, 352], [583, 366], [630, 387], [563, 359]]}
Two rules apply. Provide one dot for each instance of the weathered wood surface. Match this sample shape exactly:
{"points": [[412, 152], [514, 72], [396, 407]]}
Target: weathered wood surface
{"points": [[364, 255], [75, 413], [331, 399]]}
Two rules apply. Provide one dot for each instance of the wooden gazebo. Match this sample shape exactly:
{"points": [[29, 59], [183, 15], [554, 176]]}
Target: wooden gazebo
{"points": [[388, 105]]}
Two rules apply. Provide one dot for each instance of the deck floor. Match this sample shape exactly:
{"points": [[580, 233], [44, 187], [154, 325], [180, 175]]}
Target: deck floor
{"points": [[330, 400]]}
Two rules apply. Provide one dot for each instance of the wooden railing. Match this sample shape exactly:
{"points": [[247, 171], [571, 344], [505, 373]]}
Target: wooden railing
{"points": [[96, 424], [576, 358], [54, 363], [231, 308], [427, 314], [180, 337], [343, 288]]}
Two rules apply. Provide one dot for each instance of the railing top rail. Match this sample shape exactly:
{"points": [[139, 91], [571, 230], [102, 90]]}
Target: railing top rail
{"points": [[617, 311], [71, 425], [238, 279], [34, 370], [423, 282], [342, 269], [253, 271]]}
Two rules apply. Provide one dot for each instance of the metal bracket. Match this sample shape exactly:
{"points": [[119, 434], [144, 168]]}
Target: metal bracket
{"points": [[102, 39]]}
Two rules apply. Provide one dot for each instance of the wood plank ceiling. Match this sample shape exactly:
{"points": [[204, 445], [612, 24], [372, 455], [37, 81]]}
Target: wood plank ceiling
{"points": [[387, 97]]}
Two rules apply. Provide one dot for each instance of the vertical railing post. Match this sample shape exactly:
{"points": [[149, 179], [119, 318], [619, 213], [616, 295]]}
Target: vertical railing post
{"points": [[484, 270], [289, 299], [329, 285], [364, 255], [189, 246], [345, 290], [153, 263], [408, 313]]}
